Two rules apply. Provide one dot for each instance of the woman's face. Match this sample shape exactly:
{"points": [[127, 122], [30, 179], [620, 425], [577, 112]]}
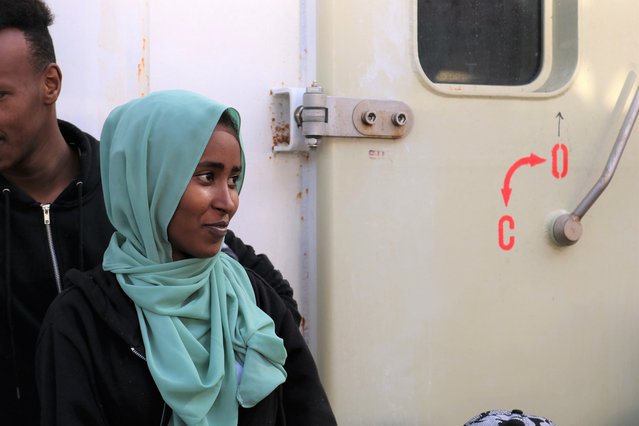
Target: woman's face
{"points": [[199, 224]]}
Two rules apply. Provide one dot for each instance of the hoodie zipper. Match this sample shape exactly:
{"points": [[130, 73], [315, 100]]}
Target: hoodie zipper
{"points": [[138, 354], [142, 357], [54, 259]]}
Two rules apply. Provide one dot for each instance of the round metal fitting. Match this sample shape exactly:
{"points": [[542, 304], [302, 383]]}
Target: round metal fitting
{"points": [[369, 117], [399, 119], [312, 143], [566, 230]]}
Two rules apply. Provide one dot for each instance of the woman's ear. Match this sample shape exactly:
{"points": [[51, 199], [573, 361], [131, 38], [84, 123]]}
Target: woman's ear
{"points": [[52, 83]]}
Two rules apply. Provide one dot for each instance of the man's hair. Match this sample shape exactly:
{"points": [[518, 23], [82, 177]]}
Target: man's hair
{"points": [[33, 18]]}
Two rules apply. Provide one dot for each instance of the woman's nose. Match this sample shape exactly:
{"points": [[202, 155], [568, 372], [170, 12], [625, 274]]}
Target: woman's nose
{"points": [[223, 199]]}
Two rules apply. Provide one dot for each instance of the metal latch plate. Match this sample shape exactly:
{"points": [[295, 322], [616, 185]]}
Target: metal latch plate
{"points": [[302, 117]]}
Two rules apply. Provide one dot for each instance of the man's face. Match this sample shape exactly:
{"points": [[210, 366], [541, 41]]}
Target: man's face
{"points": [[23, 113]]}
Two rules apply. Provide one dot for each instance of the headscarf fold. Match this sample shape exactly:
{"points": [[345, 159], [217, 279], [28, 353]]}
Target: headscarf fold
{"points": [[199, 321]]}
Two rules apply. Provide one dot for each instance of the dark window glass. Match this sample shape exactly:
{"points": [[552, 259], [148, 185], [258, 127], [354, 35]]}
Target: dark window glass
{"points": [[488, 42]]}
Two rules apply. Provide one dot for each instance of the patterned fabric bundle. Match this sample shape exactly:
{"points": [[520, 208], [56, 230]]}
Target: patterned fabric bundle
{"points": [[507, 418]]}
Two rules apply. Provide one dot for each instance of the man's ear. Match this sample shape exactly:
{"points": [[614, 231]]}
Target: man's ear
{"points": [[52, 83]]}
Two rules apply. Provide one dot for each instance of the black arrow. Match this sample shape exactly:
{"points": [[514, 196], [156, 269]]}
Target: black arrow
{"points": [[559, 118]]}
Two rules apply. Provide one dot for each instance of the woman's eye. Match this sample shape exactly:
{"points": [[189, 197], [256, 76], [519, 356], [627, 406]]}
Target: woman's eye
{"points": [[206, 177], [232, 182]]}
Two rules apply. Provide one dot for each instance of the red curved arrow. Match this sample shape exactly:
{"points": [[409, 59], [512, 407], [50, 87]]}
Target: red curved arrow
{"points": [[531, 160]]}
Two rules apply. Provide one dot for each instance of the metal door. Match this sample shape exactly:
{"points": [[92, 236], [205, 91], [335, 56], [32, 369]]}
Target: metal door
{"points": [[441, 293]]}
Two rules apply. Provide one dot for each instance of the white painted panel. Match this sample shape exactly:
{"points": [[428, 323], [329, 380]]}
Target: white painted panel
{"points": [[111, 51], [236, 52], [99, 48]]}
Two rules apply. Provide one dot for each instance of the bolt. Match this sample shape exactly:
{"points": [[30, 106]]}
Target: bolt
{"points": [[369, 117], [314, 88], [399, 119], [312, 143]]}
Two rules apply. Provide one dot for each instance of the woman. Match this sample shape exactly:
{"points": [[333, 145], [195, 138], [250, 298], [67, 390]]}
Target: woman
{"points": [[170, 330]]}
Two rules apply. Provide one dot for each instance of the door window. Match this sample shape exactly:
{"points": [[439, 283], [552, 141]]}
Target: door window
{"points": [[480, 42]]}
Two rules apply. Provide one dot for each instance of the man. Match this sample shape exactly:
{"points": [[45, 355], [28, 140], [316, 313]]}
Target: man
{"points": [[52, 214], [49, 179]]}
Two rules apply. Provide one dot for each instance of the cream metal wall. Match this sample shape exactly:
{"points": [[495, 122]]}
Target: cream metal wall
{"points": [[426, 319]]}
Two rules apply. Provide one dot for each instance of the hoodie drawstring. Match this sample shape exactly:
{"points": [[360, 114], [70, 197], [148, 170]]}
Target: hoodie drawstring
{"points": [[6, 192], [80, 185]]}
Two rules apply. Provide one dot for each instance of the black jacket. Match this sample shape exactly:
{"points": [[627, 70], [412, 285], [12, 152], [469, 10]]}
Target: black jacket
{"points": [[79, 233], [261, 264], [28, 280], [91, 369]]}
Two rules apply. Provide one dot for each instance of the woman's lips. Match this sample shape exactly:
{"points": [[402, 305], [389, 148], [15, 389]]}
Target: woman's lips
{"points": [[218, 230]]}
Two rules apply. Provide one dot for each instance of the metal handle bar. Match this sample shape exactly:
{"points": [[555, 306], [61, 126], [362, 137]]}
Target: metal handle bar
{"points": [[567, 229]]}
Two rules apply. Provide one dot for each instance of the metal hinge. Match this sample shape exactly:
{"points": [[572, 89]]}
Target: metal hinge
{"points": [[301, 117]]}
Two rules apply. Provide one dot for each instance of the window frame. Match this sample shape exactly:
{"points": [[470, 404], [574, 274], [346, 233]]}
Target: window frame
{"points": [[558, 63]]}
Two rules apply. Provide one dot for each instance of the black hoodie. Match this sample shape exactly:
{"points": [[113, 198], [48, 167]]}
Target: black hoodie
{"points": [[91, 369], [76, 237]]}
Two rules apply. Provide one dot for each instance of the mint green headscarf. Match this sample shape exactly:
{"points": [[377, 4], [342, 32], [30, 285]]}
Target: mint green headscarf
{"points": [[198, 317]]}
